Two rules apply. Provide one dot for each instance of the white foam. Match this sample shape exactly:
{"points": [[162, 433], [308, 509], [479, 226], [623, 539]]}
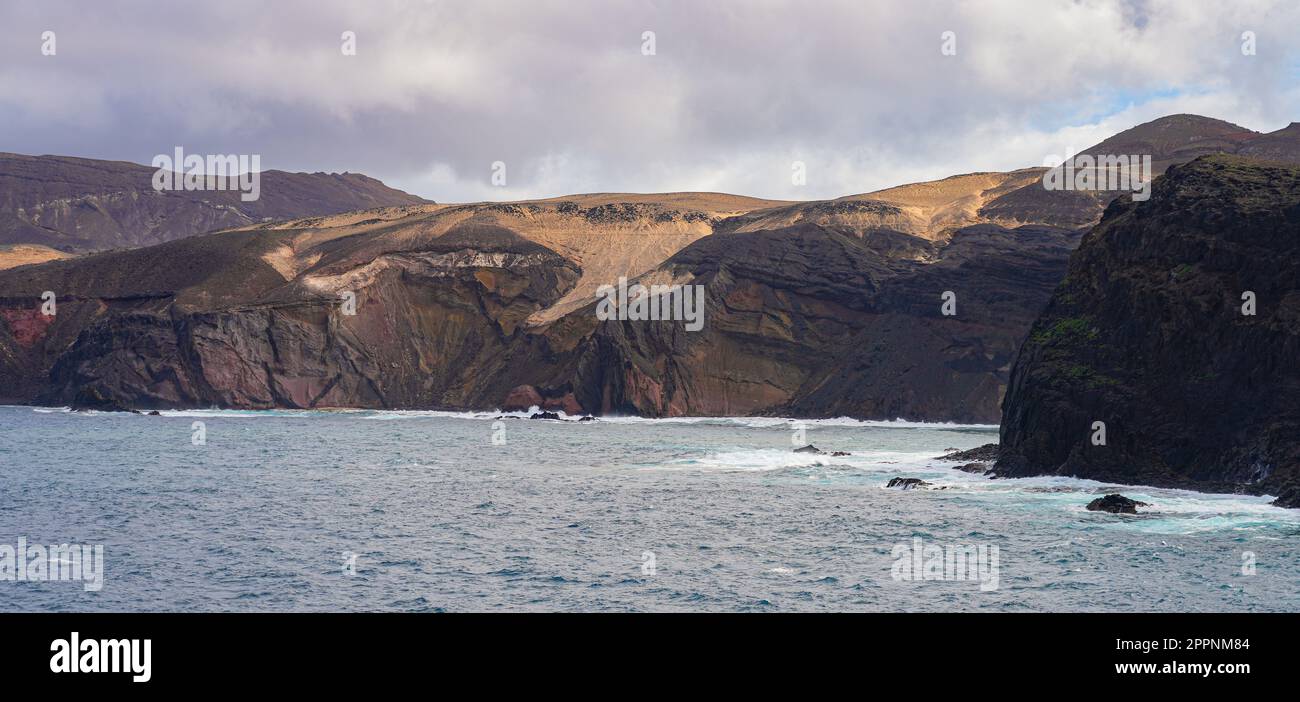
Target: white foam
{"points": [[753, 461], [748, 422]]}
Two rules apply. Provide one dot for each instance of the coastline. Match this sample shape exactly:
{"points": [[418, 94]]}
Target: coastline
{"points": [[732, 422]]}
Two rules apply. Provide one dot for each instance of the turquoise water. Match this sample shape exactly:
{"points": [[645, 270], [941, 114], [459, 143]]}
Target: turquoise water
{"points": [[424, 511]]}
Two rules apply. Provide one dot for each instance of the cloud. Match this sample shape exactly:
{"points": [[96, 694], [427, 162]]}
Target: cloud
{"points": [[561, 92]]}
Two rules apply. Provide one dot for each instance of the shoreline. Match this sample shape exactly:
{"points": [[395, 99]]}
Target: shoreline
{"points": [[735, 422]]}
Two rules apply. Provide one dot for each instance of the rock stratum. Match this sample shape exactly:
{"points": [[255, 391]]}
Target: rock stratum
{"points": [[816, 309], [828, 312], [1147, 334]]}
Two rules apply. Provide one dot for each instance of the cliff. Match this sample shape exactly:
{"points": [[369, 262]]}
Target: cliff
{"points": [[1147, 334]]}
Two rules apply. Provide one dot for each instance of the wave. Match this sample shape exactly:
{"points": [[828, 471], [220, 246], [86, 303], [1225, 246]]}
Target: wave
{"points": [[1171, 511], [769, 422], [742, 422], [752, 461]]}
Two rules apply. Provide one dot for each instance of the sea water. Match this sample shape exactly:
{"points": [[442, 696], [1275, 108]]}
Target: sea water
{"points": [[437, 511]]}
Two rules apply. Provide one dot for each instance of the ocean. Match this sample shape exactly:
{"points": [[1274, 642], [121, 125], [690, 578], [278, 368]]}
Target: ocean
{"points": [[223, 510]]}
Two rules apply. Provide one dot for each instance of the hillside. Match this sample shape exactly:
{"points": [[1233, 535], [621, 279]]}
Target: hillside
{"points": [[819, 308], [79, 205]]}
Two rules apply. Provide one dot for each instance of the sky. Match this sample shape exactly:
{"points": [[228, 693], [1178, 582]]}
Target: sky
{"points": [[569, 96]]}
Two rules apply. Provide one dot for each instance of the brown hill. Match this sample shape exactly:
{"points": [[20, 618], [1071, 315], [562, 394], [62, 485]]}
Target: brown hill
{"points": [[1175, 139], [77, 204], [1282, 145]]}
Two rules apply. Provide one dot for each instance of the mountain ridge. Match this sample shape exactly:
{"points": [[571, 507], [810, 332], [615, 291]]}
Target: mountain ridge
{"points": [[77, 205], [475, 306]]}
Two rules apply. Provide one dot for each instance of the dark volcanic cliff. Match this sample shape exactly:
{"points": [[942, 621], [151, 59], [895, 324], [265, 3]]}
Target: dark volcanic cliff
{"points": [[1147, 334], [807, 320], [814, 321], [217, 324]]}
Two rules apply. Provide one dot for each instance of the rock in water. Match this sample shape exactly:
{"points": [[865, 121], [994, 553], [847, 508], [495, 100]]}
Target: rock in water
{"points": [[987, 452], [808, 449], [545, 415], [1115, 504], [907, 483], [1168, 355]]}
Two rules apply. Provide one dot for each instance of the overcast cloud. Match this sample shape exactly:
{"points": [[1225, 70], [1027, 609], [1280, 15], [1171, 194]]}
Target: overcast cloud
{"points": [[561, 92]]}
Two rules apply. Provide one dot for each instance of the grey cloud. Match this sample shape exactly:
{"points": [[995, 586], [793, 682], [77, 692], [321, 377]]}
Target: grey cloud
{"points": [[560, 92]]}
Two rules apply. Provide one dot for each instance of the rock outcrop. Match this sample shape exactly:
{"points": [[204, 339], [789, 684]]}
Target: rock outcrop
{"points": [[907, 483], [1115, 504], [1170, 354], [987, 452]]}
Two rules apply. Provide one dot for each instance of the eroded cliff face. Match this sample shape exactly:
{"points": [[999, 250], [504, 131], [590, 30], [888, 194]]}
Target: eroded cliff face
{"points": [[461, 307], [1147, 334], [819, 322], [430, 327]]}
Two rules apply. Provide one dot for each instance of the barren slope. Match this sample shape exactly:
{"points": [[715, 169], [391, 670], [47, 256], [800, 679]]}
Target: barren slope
{"points": [[12, 255]]}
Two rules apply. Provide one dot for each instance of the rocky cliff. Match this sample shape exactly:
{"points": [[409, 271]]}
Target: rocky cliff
{"points": [[465, 307], [1178, 328], [817, 321], [817, 308]]}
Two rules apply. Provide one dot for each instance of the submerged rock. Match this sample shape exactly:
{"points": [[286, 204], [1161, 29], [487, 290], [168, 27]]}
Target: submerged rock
{"points": [[1115, 504], [813, 449], [587, 418], [973, 468]]}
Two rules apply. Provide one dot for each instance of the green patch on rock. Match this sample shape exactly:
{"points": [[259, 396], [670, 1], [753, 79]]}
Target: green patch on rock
{"points": [[1074, 329]]}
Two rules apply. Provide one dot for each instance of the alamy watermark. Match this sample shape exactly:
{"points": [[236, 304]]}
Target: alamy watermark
{"points": [[656, 302], [179, 171], [40, 563], [77, 655], [1102, 172]]}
